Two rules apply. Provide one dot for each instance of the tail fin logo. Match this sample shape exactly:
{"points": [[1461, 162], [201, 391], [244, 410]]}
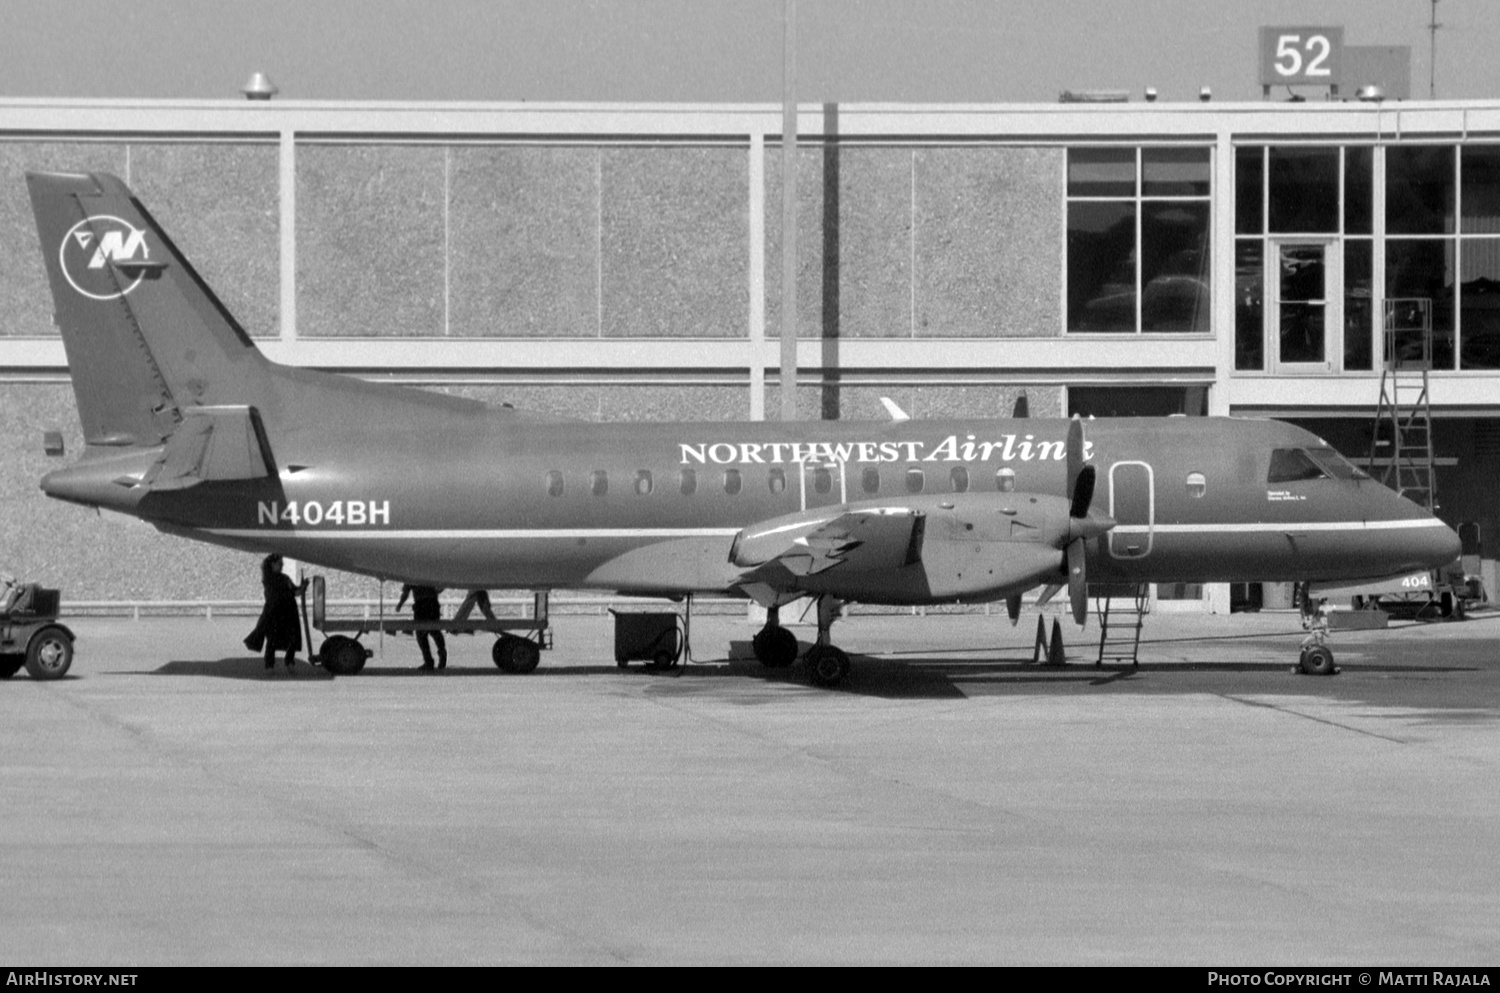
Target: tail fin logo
{"points": [[89, 249]]}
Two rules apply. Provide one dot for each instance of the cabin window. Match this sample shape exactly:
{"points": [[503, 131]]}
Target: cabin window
{"points": [[777, 481], [1005, 480], [643, 481], [869, 480], [1288, 465], [687, 481], [822, 481], [959, 477], [554, 483], [1197, 484], [915, 480], [599, 482], [732, 481]]}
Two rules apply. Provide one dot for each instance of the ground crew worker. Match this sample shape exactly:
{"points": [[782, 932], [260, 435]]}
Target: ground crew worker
{"points": [[425, 607]]}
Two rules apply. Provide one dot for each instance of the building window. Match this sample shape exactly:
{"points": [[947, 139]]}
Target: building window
{"points": [[1138, 239], [643, 481], [1479, 258], [687, 481], [554, 483], [599, 482], [1307, 210]]}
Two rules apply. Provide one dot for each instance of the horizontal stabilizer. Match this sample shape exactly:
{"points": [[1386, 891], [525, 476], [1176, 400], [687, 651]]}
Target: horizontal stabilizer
{"points": [[212, 443]]}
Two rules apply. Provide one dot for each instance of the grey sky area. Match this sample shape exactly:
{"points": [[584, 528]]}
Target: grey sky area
{"points": [[702, 50]]}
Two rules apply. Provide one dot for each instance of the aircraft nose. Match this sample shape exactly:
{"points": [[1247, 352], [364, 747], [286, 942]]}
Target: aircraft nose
{"points": [[1444, 546]]}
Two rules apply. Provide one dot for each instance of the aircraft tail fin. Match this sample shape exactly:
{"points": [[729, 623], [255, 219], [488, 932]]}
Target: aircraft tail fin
{"points": [[146, 339]]}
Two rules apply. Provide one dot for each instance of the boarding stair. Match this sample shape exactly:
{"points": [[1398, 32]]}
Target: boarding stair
{"points": [[1121, 609]]}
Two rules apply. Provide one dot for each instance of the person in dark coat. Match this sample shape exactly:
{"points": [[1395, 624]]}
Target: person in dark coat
{"points": [[425, 607], [279, 627]]}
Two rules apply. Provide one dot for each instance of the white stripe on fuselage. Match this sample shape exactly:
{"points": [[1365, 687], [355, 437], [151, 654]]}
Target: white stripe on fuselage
{"points": [[662, 534], [1284, 527], [471, 535]]}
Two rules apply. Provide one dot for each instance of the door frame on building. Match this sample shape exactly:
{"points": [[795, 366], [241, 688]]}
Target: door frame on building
{"points": [[1332, 303]]}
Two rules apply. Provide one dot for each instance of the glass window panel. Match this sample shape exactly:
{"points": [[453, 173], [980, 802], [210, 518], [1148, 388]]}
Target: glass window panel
{"points": [[1304, 190], [1005, 480], [1334, 464], [554, 483], [1359, 190], [1288, 465], [688, 481], [1480, 299], [1101, 266], [959, 476], [1359, 313], [1249, 190], [599, 482], [1424, 268], [1174, 172], [869, 480], [916, 479], [1197, 484], [1302, 333], [1481, 190], [1302, 273], [643, 484], [1174, 267], [822, 481], [777, 481], [732, 481], [1101, 172], [1419, 189], [1249, 308]]}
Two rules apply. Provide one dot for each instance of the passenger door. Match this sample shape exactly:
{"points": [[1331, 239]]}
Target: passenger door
{"points": [[1132, 503]]}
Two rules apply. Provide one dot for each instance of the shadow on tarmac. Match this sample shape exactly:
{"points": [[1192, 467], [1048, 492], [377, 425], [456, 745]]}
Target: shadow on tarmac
{"points": [[949, 678]]}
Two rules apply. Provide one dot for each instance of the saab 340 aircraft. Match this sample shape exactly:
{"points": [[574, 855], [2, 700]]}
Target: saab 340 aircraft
{"points": [[187, 426]]}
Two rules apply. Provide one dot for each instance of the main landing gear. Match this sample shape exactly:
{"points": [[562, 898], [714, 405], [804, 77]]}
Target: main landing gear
{"points": [[776, 647]]}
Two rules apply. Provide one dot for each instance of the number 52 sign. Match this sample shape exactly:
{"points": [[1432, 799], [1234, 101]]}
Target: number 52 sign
{"points": [[1293, 56]]}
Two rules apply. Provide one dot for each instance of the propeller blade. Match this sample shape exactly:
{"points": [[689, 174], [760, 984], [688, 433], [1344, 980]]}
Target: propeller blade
{"points": [[1078, 586], [1083, 492], [1074, 452], [1013, 608]]}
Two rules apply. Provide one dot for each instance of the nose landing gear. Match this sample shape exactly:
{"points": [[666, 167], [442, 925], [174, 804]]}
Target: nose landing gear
{"points": [[1316, 658]]}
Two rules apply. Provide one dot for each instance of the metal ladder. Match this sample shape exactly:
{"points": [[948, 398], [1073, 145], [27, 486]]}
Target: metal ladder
{"points": [[1403, 419], [1122, 610]]}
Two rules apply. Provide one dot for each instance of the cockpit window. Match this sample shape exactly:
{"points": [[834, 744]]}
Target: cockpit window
{"points": [[1335, 464], [1291, 464]]}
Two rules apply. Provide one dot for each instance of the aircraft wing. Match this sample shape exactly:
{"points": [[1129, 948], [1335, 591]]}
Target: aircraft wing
{"points": [[962, 547], [857, 541]]}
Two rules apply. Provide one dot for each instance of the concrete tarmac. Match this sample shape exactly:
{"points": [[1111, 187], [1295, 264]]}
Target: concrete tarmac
{"points": [[171, 803]]}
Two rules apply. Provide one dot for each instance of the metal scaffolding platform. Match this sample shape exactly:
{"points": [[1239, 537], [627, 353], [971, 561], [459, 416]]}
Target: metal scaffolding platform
{"points": [[1401, 453]]}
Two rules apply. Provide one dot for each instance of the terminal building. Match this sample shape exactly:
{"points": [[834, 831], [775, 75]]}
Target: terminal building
{"points": [[620, 262]]}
